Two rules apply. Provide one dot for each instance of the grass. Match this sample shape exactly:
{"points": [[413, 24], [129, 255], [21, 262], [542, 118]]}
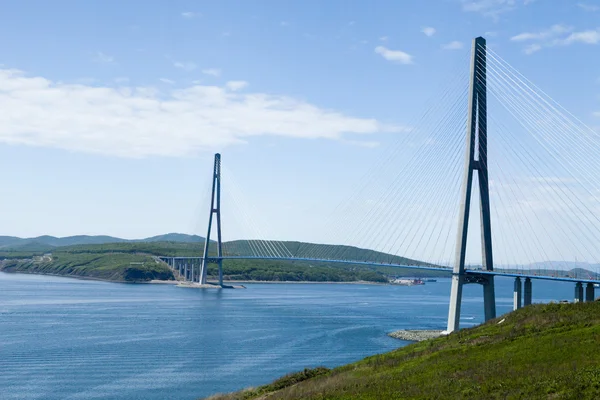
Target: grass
{"points": [[117, 267], [281, 383], [538, 352]]}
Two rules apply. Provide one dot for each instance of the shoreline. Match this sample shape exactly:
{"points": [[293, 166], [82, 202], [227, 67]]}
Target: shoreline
{"points": [[177, 281], [194, 285], [416, 335], [315, 282], [90, 278]]}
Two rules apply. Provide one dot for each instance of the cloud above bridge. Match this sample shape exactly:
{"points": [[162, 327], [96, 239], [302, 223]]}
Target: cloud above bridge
{"points": [[556, 35], [143, 121]]}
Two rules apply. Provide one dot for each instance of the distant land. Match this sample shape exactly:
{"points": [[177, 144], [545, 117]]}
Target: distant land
{"points": [[48, 242], [116, 259]]}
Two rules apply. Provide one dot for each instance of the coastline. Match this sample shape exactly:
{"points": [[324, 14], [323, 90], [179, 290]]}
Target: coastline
{"points": [[415, 335], [315, 282], [90, 278], [177, 282]]}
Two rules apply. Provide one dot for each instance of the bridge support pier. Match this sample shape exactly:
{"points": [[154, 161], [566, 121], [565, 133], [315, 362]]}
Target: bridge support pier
{"points": [[517, 294], [475, 162], [489, 299], [578, 292], [589, 292], [215, 209], [527, 292], [455, 303]]}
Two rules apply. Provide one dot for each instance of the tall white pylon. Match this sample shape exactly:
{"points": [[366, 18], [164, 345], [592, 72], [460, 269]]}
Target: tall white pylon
{"points": [[476, 139]]}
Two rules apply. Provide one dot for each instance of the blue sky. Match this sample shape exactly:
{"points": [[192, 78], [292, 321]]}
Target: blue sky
{"points": [[111, 110]]}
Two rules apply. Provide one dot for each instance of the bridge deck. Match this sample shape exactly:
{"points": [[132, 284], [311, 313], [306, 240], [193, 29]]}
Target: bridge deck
{"points": [[420, 267]]}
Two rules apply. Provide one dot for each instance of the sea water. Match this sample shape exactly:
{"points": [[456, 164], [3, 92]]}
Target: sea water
{"points": [[63, 338]]}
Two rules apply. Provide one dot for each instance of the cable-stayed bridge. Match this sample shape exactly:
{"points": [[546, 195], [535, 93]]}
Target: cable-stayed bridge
{"points": [[516, 188]]}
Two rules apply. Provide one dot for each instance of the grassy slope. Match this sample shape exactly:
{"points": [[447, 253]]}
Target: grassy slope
{"points": [[107, 266], [539, 352]]}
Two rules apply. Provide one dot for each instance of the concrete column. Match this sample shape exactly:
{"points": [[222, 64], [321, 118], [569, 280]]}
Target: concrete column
{"points": [[589, 292], [578, 292], [527, 292], [517, 294], [489, 300], [173, 263], [186, 271], [455, 303]]}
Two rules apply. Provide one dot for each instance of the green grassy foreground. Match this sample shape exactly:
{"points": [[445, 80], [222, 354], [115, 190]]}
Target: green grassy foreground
{"points": [[539, 352]]}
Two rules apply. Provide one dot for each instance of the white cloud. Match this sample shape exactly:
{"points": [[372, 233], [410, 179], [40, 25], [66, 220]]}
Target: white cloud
{"points": [[596, 114], [143, 121], [121, 79], [167, 81], [236, 85], [186, 66], [383, 38], [100, 57], [190, 14], [532, 48], [394, 55], [492, 8], [554, 31], [588, 7], [588, 37], [428, 31], [454, 45], [557, 35], [212, 71]]}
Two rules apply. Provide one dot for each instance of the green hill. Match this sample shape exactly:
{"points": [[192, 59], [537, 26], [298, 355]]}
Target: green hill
{"points": [[240, 270], [6, 241], [28, 246], [547, 351], [174, 237], [313, 250], [116, 267], [15, 243]]}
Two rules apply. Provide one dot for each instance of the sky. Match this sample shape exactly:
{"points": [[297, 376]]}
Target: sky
{"points": [[111, 111]]}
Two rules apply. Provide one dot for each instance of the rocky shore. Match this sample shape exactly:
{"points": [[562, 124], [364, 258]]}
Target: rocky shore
{"points": [[415, 335], [208, 286]]}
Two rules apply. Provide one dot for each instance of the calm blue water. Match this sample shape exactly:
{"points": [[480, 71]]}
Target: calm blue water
{"points": [[63, 338]]}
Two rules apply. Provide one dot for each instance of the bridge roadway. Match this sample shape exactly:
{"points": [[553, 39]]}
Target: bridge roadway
{"points": [[380, 264], [522, 290]]}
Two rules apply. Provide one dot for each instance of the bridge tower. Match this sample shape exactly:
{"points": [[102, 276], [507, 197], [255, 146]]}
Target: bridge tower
{"points": [[215, 210], [475, 161]]}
